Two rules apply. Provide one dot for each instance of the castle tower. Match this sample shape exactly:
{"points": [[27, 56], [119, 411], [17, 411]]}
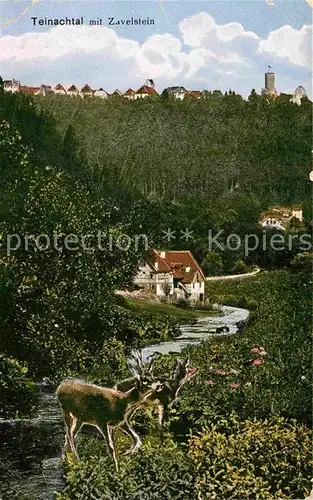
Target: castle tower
{"points": [[269, 84]]}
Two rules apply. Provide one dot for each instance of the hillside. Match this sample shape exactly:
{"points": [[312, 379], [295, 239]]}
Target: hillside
{"points": [[218, 147]]}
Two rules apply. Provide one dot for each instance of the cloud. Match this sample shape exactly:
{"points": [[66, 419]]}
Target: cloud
{"points": [[214, 55], [289, 43]]}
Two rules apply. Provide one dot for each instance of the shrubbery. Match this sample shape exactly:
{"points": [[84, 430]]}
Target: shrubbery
{"points": [[229, 458], [253, 459], [158, 471], [18, 393]]}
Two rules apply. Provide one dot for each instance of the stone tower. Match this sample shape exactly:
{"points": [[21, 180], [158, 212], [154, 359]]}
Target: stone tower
{"points": [[269, 84]]}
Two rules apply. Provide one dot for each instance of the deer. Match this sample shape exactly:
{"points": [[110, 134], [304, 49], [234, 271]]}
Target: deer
{"points": [[168, 393], [105, 408]]}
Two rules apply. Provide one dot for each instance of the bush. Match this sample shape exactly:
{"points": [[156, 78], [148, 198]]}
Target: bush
{"points": [[157, 471], [17, 392], [254, 459], [240, 267]]}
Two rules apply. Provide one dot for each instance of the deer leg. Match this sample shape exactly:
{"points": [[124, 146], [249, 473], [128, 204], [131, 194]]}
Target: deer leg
{"points": [[70, 425], [130, 431], [161, 415], [107, 434], [72, 438]]}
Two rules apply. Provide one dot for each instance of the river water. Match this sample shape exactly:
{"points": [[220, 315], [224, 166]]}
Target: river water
{"points": [[202, 330], [30, 454]]}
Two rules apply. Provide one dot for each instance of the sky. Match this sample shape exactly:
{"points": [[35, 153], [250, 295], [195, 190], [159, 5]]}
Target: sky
{"points": [[219, 44]]}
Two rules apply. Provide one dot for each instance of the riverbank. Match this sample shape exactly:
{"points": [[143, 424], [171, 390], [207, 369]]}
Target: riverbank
{"points": [[163, 308], [204, 328]]}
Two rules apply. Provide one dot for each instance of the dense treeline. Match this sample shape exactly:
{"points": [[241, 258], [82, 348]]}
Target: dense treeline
{"points": [[203, 150], [209, 164], [57, 282]]}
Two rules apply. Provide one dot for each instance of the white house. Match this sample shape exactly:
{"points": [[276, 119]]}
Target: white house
{"points": [[86, 91], [12, 85], [176, 92], [129, 94], [145, 91], [45, 90], [59, 89], [280, 216], [116, 93], [176, 270], [73, 91], [100, 93]]}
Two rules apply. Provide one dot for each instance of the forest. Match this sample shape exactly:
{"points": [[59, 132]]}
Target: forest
{"points": [[210, 164], [76, 167]]}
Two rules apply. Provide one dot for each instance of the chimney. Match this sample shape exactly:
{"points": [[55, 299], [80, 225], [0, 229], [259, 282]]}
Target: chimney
{"points": [[162, 255]]}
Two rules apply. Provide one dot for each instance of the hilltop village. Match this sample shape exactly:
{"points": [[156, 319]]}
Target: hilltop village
{"points": [[146, 90]]}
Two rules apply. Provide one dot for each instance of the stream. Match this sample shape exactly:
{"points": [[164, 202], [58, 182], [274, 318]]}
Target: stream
{"points": [[233, 319], [30, 453]]}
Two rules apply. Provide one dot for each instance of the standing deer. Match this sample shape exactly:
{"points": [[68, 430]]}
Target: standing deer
{"points": [[168, 394], [83, 403]]}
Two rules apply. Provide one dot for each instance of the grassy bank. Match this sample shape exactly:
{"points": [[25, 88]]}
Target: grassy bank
{"points": [[163, 309]]}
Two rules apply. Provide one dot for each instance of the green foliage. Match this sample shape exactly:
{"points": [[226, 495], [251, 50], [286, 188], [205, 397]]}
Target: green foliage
{"points": [[244, 146], [281, 384], [183, 303], [213, 264], [110, 364], [240, 267], [158, 470], [244, 160], [269, 459], [236, 301], [18, 393]]}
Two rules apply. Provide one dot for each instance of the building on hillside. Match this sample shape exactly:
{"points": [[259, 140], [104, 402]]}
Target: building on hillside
{"points": [[12, 85], [130, 94], [145, 91], [46, 90], [116, 93], [281, 217], [298, 95], [176, 92], [269, 89], [73, 91], [196, 94], [86, 91], [24, 89], [100, 93], [176, 270], [59, 89]]}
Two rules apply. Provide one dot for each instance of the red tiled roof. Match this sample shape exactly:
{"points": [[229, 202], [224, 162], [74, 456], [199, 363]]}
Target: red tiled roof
{"points": [[29, 90], [195, 93], [145, 89], [176, 262], [72, 89], [154, 257], [179, 261]]}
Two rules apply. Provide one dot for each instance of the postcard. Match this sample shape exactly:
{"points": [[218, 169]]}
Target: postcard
{"points": [[156, 249]]}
